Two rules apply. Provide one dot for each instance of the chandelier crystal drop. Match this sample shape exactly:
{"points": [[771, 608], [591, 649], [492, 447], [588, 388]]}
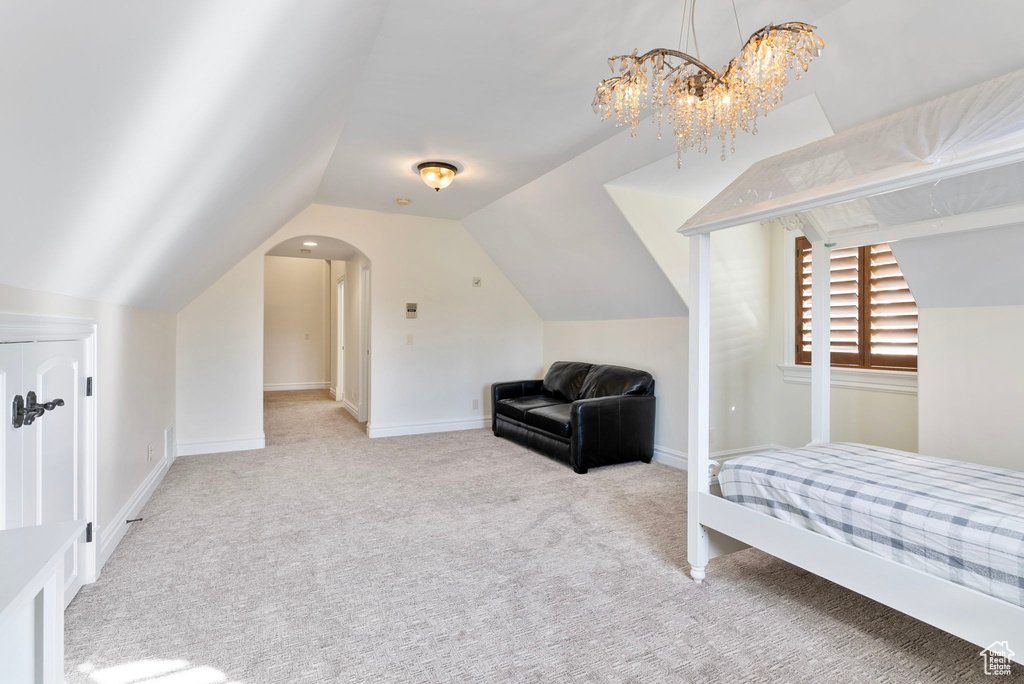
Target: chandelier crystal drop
{"points": [[698, 100]]}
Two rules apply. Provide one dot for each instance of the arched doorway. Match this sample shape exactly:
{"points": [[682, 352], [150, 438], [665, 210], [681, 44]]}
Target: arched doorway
{"points": [[316, 358]]}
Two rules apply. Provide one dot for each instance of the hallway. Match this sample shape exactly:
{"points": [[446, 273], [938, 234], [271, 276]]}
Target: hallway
{"points": [[298, 416]]}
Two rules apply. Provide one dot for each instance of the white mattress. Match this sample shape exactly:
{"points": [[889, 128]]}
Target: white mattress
{"points": [[959, 521]]}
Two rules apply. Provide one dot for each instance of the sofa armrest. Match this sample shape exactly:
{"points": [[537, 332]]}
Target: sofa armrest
{"points": [[611, 430], [512, 390]]}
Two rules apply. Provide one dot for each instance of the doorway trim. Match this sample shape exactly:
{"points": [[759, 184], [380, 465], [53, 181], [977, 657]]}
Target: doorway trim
{"points": [[24, 328], [364, 335], [339, 333]]}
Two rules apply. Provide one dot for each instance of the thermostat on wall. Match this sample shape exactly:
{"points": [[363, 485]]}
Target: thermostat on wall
{"points": [[410, 310]]}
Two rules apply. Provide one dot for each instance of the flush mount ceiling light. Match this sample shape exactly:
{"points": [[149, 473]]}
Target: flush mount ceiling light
{"points": [[698, 99], [309, 244], [436, 174]]}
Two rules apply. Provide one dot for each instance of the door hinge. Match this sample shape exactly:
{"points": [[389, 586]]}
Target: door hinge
{"points": [[88, 533], [88, 386]]}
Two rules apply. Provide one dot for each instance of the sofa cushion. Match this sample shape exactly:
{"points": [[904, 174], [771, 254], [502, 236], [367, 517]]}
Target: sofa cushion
{"points": [[553, 419], [614, 381], [517, 408], [565, 378]]}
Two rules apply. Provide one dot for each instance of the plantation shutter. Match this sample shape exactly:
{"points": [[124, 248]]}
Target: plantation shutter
{"points": [[893, 331], [846, 282], [873, 315]]}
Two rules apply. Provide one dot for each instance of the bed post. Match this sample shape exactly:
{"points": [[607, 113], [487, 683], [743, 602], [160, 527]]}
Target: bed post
{"points": [[698, 432], [821, 342]]}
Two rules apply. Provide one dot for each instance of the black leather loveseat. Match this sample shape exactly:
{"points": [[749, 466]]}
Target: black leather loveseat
{"points": [[588, 415]]}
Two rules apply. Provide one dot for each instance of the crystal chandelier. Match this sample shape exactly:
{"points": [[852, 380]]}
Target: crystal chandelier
{"points": [[699, 100]]}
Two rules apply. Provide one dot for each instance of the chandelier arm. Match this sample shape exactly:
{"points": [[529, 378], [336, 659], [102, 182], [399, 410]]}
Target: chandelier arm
{"points": [[791, 26], [650, 54]]}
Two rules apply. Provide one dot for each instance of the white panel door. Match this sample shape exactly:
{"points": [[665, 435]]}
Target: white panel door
{"points": [[44, 461], [54, 443], [11, 506]]}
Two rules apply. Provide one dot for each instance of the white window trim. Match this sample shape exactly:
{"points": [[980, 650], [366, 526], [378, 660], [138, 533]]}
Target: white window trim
{"points": [[873, 379], [870, 379]]}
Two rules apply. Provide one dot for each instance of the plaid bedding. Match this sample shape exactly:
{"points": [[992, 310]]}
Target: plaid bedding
{"points": [[959, 521]]}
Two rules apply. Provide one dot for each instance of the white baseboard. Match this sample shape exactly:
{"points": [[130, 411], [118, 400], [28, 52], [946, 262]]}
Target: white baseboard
{"points": [[678, 459], [670, 457], [110, 536], [219, 446], [285, 386], [397, 430], [334, 393], [350, 407]]}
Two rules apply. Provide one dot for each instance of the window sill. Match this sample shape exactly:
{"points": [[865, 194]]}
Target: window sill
{"points": [[894, 382]]}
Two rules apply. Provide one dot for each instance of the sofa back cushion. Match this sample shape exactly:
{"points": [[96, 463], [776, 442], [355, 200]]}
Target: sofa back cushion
{"points": [[565, 378], [614, 381]]}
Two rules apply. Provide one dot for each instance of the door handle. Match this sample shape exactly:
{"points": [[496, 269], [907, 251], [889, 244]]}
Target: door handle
{"points": [[26, 410]]}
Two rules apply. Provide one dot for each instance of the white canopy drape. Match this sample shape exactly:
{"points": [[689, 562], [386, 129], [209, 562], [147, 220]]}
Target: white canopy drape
{"points": [[954, 163]]}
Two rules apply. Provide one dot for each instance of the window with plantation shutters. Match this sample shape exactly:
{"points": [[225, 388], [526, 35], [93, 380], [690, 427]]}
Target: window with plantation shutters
{"points": [[873, 317]]}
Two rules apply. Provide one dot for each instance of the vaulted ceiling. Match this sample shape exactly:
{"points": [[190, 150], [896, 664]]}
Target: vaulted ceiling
{"points": [[147, 147], [503, 89]]}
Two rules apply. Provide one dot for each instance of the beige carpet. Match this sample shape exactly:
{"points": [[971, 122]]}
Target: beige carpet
{"points": [[460, 557], [306, 416]]}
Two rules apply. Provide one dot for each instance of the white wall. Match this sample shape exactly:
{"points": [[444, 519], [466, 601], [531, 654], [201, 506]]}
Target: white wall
{"points": [[740, 284], [296, 323], [219, 347], [134, 387], [858, 415], [656, 345], [464, 339], [972, 384]]}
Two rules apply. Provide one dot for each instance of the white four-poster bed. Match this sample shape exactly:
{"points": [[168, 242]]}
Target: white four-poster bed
{"points": [[953, 164]]}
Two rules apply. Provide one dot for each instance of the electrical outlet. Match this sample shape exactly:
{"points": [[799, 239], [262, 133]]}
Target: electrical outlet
{"points": [[149, 452], [408, 338], [476, 403], [307, 336]]}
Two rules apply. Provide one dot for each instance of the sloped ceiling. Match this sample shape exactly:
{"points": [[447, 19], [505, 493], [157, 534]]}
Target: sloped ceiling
{"points": [[503, 88], [148, 146], [573, 253], [656, 197], [565, 245], [974, 268]]}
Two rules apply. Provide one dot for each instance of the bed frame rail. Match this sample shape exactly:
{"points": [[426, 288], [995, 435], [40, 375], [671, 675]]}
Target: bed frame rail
{"points": [[959, 610], [716, 526]]}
